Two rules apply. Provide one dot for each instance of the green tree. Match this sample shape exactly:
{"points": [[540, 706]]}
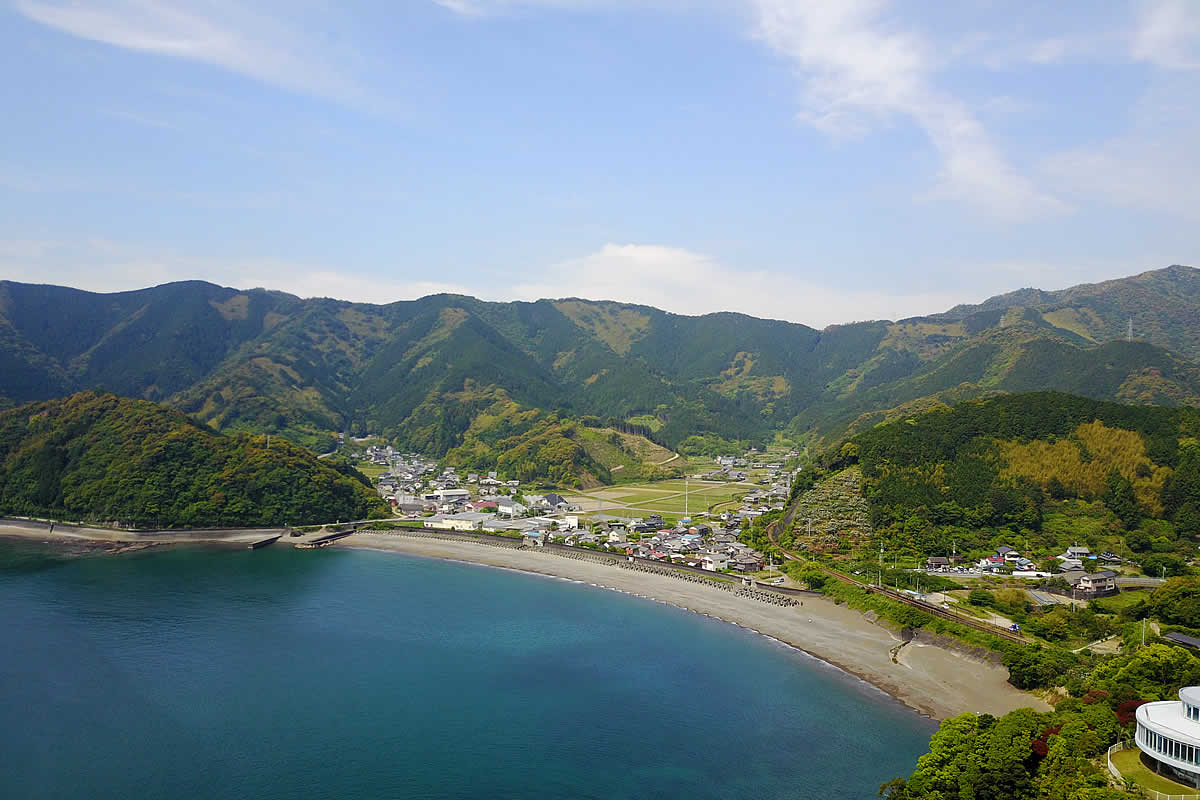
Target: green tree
{"points": [[1121, 500]]}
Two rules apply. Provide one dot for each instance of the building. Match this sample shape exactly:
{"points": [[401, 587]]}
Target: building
{"points": [[469, 521], [714, 562], [509, 507], [1183, 640], [449, 494], [1101, 582], [1169, 732]]}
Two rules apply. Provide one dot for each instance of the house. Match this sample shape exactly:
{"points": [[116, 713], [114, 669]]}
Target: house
{"points": [[745, 562], [408, 509], [937, 563], [509, 507], [556, 501], [1007, 554], [482, 505], [617, 535], [1070, 564], [714, 562], [1078, 553], [1098, 582]]}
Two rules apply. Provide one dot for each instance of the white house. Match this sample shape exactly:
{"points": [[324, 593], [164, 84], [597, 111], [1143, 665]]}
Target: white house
{"points": [[715, 562], [509, 507]]}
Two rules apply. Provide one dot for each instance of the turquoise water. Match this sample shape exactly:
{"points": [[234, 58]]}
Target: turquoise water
{"points": [[355, 674]]}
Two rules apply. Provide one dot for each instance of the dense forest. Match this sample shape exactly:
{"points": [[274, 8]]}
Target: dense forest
{"points": [[1035, 468], [99, 458]]}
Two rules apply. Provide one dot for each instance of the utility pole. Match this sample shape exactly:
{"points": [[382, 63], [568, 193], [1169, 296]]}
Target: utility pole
{"points": [[1129, 331], [1143, 631]]}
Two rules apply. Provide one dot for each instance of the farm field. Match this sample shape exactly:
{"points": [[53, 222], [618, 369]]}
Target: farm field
{"points": [[665, 497], [372, 471]]}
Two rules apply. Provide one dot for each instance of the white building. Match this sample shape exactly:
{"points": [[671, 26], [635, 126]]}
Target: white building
{"points": [[449, 494], [1169, 732], [715, 562], [468, 521]]}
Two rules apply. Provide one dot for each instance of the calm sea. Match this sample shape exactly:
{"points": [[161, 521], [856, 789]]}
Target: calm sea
{"points": [[355, 674]]}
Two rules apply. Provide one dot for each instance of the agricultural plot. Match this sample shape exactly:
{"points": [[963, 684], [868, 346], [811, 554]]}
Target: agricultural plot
{"points": [[666, 497]]}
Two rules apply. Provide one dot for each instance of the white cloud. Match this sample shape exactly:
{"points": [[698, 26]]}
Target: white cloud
{"points": [[685, 282], [1152, 166], [858, 71], [262, 43], [670, 278], [1168, 34], [101, 265]]}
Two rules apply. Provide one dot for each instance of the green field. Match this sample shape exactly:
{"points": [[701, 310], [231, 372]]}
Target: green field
{"points": [[665, 497], [372, 471]]}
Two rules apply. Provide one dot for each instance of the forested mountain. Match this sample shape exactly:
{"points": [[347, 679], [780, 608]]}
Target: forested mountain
{"points": [[101, 458], [1043, 470], [266, 361]]}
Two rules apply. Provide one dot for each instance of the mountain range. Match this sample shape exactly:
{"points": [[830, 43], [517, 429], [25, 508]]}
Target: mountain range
{"points": [[422, 372]]}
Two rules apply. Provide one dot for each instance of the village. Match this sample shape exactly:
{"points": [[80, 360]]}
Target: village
{"points": [[705, 538]]}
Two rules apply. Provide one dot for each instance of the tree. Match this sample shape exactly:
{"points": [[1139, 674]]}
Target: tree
{"points": [[1164, 565], [1121, 499]]}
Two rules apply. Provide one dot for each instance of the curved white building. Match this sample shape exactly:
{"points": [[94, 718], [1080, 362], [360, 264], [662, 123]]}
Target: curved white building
{"points": [[1169, 732]]}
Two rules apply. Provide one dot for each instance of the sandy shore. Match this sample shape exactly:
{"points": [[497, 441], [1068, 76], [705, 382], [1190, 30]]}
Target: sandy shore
{"points": [[932, 680]]}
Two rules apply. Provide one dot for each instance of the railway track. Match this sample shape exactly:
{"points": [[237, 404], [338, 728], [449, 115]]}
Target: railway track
{"points": [[928, 608]]}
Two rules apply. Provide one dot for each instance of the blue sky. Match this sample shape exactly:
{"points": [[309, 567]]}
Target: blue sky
{"points": [[813, 161]]}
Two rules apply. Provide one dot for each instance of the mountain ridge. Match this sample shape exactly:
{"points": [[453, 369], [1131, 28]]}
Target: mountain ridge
{"points": [[266, 361]]}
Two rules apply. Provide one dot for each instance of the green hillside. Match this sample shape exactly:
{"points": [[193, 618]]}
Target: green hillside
{"points": [[528, 444], [259, 361], [100, 458], [1043, 470]]}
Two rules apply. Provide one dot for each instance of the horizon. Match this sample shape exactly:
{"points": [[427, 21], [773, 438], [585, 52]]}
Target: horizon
{"points": [[791, 160], [482, 299]]}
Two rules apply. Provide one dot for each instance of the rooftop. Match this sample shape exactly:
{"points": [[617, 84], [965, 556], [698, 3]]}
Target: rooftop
{"points": [[1167, 717], [1186, 641]]}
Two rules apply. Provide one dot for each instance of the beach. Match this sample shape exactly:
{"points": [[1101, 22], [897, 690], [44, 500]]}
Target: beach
{"points": [[930, 679]]}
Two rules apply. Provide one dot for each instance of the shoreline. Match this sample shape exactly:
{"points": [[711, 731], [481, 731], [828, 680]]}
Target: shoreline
{"points": [[931, 680], [114, 540]]}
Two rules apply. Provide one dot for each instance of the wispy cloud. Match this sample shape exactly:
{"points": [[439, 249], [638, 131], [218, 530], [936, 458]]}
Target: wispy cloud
{"points": [[103, 265], [859, 71], [1168, 33], [1150, 167], [686, 282], [671, 278], [260, 42]]}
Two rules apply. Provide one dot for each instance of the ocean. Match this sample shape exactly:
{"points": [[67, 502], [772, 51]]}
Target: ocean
{"points": [[356, 674]]}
